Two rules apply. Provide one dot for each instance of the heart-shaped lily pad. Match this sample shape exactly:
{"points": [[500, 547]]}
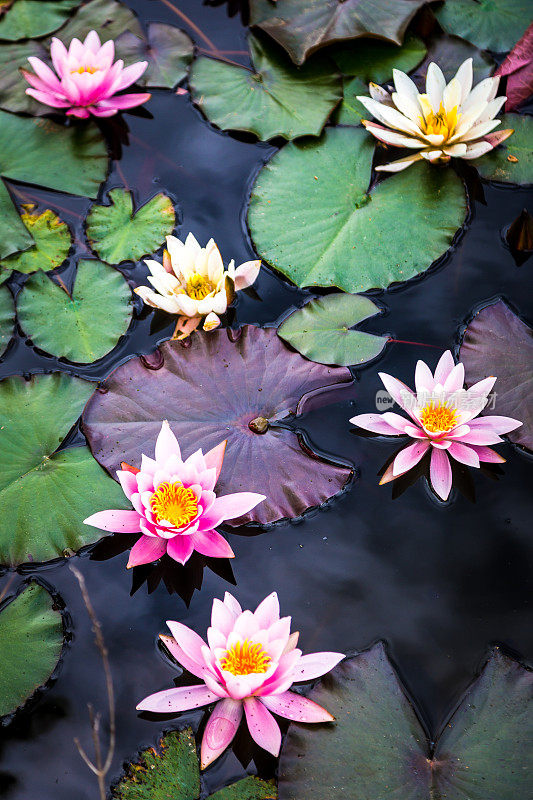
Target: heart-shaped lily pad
{"points": [[302, 26], [172, 771], [45, 495], [168, 50], [334, 232], [117, 233], [215, 390], [377, 746], [490, 24], [374, 60], [321, 330], [31, 632], [273, 99], [52, 242], [7, 318], [84, 326], [497, 342], [512, 161], [75, 162], [27, 19]]}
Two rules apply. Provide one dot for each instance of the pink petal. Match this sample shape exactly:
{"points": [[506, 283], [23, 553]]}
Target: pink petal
{"points": [[181, 656], [145, 550], [171, 701], [48, 99], [495, 424], [375, 424], [92, 42], [400, 393], [222, 617], [166, 444], [116, 521], [262, 726], [43, 71], [188, 641], [440, 473], [313, 665], [128, 481], [131, 74], [80, 113], [220, 730], [124, 101], [487, 454], [230, 506], [463, 453], [58, 52], [246, 274], [400, 423], [455, 379], [424, 382], [444, 367], [215, 457], [409, 457], [210, 543], [267, 612], [180, 548], [480, 436], [294, 706]]}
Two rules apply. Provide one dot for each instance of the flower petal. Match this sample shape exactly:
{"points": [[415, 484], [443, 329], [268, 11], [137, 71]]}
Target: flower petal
{"points": [[220, 730], [313, 665], [294, 706], [409, 457], [146, 550], [116, 521], [172, 701], [230, 506], [440, 473], [262, 726], [180, 548], [375, 424], [210, 543], [246, 274], [166, 444], [464, 454]]}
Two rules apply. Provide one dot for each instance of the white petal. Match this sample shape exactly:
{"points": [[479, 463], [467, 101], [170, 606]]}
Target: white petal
{"points": [[389, 116], [400, 164], [478, 131], [455, 150], [451, 97], [477, 149], [392, 137], [491, 109], [431, 155], [407, 106], [465, 76], [150, 297], [380, 94], [404, 85], [479, 94], [435, 85]]}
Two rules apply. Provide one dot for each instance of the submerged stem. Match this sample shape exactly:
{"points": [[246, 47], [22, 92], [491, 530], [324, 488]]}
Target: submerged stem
{"points": [[191, 24]]}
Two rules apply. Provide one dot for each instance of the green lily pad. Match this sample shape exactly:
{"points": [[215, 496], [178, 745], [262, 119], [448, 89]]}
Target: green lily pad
{"points": [[334, 232], [108, 17], [31, 632], [13, 86], [117, 233], [274, 99], [351, 111], [377, 746], [7, 318], [45, 495], [68, 327], [374, 60], [75, 162], [500, 164], [27, 19], [490, 24], [168, 50], [172, 771], [52, 242], [321, 330]]}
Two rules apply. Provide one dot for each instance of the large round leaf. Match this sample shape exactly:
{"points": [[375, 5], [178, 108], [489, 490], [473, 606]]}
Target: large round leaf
{"points": [[497, 342], [302, 26], [168, 50], [52, 242], [273, 99], [321, 330], [38, 151], [212, 391], [490, 24], [512, 161], [377, 746], [45, 495], [13, 87], [351, 111], [449, 52], [84, 326], [374, 60], [117, 233], [31, 632], [108, 17], [332, 232], [7, 318], [27, 19]]}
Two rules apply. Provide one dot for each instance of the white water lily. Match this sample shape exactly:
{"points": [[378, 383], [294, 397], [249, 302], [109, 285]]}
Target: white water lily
{"points": [[449, 120], [192, 282]]}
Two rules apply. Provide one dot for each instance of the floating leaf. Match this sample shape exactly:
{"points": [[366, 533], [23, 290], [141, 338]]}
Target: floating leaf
{"points": [[13, 87], [213, 391], [82, 327], [518, 67], [117, 233], [321, 330], [351, 111], [108, 17], [273, 99], [490, 24], [497, 342], [172, 772], [377, 747], [75, 162], [27, 19], [169, 51], [45, 495], [7, 318], [333, 232], [374, 60], [512, 161], [52, 242], [31, 632], [302, 26], [449, 52]]}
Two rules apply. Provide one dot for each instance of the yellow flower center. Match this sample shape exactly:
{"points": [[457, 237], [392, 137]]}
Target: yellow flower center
{"points": [[199, 287], [436, 417], [245, 658], [83, 69], [439, 122], [174, 503]]}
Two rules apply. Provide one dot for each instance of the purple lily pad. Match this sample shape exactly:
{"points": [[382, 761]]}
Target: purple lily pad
{"points": [[218, 389], [497, 342]]}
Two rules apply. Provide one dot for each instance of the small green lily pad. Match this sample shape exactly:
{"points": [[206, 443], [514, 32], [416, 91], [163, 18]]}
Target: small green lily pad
{"points": [[27, 19], [7, 318], [31, 632], [117, 233], [52, 242], [489, 24], [321, 330], [512, 161], [351, 111], [108, 17], [274, 99], [374, 59], [82, 327], [168, 50]]}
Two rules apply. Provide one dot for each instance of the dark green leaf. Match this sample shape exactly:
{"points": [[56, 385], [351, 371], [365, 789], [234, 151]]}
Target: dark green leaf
{"points": [[27, 19], [13, 86], [512, 161], [490, 24], [169, 51], [108, 17], [351, 111], [7, 318], [52, 242], [374, 60], [249, 788]]}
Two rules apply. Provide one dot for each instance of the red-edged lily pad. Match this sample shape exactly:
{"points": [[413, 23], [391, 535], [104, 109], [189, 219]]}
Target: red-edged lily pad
{"points": [[219, 389]]}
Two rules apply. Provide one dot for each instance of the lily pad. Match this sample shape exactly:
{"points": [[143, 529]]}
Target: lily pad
{"points": [[490, 24], [45, 495], [215, 390], [512, 161], [351, 111], [7, 318], [334, 232], [27, 19], [497, 342], [321, 330], [76, 162], [518, 67], [302, 26], [52, 242], [67, 326], [169, 51], [172, 771], [374, 60], [449, 52], [377, 746], [109, 17], [31, 632], [117, 233], [273, 99], [13, 87]]}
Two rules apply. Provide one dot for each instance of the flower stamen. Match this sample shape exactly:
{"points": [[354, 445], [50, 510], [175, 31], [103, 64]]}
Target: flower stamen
{"points": [[81, 70], [173, 503], [438, 418], [245, 658], [440, 122], [198, 287]]}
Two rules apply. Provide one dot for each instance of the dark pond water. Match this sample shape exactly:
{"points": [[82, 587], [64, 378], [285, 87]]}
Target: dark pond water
{"points": [[438, 583]]}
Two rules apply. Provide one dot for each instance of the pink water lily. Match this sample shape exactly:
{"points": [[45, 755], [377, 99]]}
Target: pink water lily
{"points": [[443, 419], [175, 507], [249, 664], [87, 79]]}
